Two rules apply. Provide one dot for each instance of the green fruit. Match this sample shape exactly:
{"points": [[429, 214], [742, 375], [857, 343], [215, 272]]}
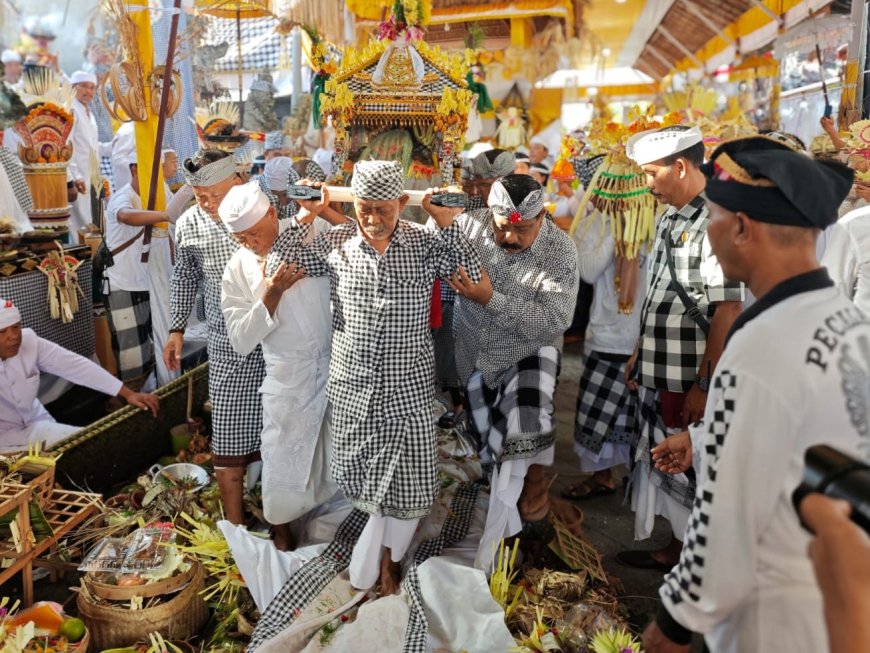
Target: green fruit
{"points": [[73, 629]]}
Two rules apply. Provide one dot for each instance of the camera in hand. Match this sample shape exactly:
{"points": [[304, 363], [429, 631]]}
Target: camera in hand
{"points": [[451, 200], [839, 476]]}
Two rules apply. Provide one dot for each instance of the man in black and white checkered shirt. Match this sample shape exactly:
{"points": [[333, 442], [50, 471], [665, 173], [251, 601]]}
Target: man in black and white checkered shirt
{"points": [[382, 270], [507, 327], [203, 248], [677, 352]]}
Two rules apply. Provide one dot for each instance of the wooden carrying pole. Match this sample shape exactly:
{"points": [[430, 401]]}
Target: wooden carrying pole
{"points": [[156, 177]]}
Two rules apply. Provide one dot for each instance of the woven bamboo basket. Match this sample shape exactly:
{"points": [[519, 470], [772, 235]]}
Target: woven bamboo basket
{"points": [[111, 626], [40, 480], [80, 646]]}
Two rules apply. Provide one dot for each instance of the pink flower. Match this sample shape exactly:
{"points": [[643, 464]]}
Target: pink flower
{"points": [[387, 31], [414, 33]]}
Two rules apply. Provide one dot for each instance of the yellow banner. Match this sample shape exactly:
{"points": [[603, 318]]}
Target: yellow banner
{"points": [[146, 132]]}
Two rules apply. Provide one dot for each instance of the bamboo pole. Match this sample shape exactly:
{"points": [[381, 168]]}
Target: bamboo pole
{"points": [[156, 177]]}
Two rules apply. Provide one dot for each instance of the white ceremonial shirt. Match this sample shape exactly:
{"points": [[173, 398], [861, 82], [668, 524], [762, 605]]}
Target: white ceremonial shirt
{"points": [[129, 272], [795, 373], [84, 138], [19, 384], [301, 328], [609, 331], [296, 344], [847, 256]]}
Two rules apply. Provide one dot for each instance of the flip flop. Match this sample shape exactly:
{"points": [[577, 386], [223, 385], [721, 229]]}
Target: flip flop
{"points": [[593, 489], [642, 560]]}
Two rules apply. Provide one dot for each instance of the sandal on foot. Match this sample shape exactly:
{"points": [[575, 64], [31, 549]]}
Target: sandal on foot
{"points": [[587, 489], [642, 560]]}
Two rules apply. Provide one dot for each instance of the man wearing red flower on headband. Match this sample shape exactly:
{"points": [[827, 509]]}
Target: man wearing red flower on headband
{"points": [[507, 327]]}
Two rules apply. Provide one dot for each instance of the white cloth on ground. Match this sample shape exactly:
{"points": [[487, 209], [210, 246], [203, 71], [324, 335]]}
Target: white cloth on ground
{"points": [[476, 623], [264, 568], [379, 531], [19, 385]]}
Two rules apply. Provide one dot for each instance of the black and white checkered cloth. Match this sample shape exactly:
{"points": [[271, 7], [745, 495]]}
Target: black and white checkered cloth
{"points": [[671, 344], [292, 207], [515, 419], [686, 579], [534, 294], [606, 409], [382, 369], [29, 292], [307, 583], [12, 165], [378, 180], [262, 46], [130, 322], [312, 171], [202, 249], [650, 432]]}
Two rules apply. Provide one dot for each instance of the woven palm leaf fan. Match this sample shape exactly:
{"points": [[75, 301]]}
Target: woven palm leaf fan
{"points": [[238, 10]]}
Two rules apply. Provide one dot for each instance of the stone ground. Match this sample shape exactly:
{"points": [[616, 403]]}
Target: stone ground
{"points": [[609, 521]]}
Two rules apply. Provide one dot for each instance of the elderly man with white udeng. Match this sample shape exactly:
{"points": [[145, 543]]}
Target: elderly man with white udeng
{"points": [[288, 314]]}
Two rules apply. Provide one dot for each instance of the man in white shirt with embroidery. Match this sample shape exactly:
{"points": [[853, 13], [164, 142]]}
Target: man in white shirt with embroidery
{"points": [[23, 356]]}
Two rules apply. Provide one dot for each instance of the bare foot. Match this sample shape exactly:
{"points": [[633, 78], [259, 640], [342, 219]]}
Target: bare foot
{"points": [[669, 554], [283, 538], [534, 501], [391, 576]]}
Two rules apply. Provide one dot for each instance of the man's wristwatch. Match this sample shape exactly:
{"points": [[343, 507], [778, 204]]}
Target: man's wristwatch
{"points": [[703, 383]]}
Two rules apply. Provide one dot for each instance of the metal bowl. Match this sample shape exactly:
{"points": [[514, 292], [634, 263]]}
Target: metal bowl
{"points": [[181, 471]]}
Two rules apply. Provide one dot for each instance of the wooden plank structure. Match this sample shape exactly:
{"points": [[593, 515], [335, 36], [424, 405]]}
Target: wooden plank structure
{"points": [[691, 24], [64, 511]]}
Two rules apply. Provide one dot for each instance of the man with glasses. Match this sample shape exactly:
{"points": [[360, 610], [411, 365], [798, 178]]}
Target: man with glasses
{"points": [[507, 327]]}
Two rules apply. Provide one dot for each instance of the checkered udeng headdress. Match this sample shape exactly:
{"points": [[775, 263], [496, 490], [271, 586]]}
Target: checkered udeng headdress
{"points": [[211, 174], [501, 204], [274, 140], [504, 164], [378, 180], [313, 172]]}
